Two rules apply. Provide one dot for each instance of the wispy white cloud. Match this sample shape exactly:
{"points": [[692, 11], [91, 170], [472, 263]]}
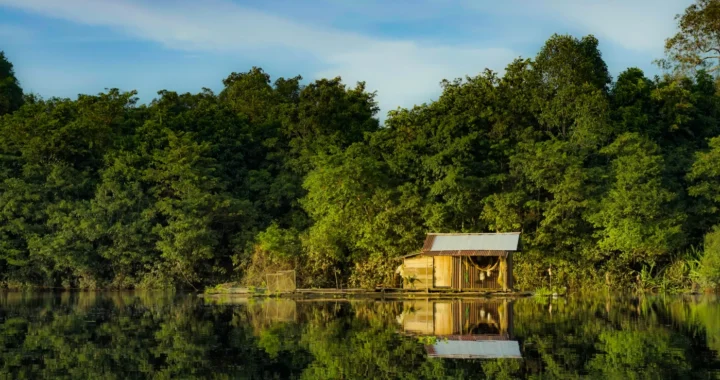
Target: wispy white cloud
{"points": [[403, 72], [640, 25], [636, 25]]}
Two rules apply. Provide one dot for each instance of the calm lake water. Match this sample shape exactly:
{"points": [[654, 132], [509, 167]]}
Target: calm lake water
{"points": [[145, 335]]}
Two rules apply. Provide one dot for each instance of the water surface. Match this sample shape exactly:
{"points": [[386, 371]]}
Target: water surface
{"points": [[174, 336]]}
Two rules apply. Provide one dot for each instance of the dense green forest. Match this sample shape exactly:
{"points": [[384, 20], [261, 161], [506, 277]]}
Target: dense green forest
{"points": [[612, 182]]}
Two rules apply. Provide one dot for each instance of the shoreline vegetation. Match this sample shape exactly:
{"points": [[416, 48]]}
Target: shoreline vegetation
{"points": [[613, 182]]}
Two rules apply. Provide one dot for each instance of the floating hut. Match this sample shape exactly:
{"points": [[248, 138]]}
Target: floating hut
{"points": [[462, 329], [476, 261]]}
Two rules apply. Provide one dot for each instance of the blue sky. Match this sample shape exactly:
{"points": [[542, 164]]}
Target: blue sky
{"points": [[401, 48]]}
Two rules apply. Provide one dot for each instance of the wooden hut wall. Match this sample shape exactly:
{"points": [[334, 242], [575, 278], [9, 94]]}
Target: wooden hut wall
{"points": [[468, 277], [420, 267], [445, 318], [510, 271], [422, 318], [484, 316], [510, 318], [457, 318], [443, 271], [456, 273]]}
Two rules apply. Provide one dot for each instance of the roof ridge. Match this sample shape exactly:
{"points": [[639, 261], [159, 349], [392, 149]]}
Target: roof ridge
{"points": [[472, 233]]}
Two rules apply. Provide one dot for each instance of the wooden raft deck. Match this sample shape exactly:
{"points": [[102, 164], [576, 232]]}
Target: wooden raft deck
{"points": [[379, 293]]}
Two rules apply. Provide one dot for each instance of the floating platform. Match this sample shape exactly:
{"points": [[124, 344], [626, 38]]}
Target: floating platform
{"points": [[378, 293]]}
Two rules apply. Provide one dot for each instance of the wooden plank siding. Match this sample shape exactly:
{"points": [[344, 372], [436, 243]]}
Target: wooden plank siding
{"points": [[420, 267], [469, 278], [422, 318], [471, 319], [510, 279], [443, 273], [444, 318], [454, 272]]}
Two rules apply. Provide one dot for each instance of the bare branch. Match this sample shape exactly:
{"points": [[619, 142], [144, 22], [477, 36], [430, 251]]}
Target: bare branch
{"points": [[717, 50]]}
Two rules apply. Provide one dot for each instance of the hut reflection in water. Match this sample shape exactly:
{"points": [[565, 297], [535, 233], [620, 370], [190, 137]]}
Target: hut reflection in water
{"points": [[467, 329]]}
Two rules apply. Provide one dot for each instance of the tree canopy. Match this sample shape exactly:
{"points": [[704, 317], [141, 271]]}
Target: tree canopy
{"points": [[697, 43], [11, 95], [605, 178]]}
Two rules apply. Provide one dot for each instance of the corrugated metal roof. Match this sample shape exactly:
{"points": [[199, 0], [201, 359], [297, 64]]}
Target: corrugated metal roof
{"points": [[472, 242], [475, 349], [429, 240], [466, 253]]}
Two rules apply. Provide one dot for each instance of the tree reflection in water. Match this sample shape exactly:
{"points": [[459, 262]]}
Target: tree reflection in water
{"points": [[140, 335]]}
